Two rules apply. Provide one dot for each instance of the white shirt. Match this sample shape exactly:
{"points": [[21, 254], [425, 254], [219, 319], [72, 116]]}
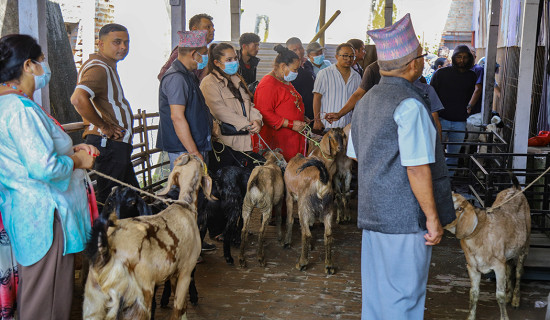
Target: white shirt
{"points": [[416, 134], [330, 84]]}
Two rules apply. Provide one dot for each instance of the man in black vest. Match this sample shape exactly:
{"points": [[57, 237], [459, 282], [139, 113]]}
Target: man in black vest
{"points": [[400, 209], [185, 122]]}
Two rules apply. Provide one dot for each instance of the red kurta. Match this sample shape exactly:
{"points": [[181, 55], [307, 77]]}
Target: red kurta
{"points": [[278, 101]]}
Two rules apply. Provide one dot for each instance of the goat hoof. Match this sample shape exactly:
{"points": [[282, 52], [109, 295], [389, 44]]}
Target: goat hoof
{"points": [[301, 267], [330, 270], [242, 263], [194, 303], [261, 261], [286, 245], [229, 260]]}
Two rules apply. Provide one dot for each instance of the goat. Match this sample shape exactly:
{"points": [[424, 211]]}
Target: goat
{"points": [[341, 182], [128, 257], [489, 238], [265, 190], [307, 182]]}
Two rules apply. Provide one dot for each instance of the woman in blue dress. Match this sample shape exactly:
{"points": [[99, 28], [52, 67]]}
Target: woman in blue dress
{"points": [[43, 198]]}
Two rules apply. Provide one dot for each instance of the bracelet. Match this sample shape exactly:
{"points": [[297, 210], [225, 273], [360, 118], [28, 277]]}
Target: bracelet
{"points": [[290, 124]]}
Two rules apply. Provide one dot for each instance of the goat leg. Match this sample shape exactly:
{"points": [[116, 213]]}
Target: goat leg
{"points": [[247, 211], [347, 197], [519, 273], [266, 214], [329, 268], [278, 220], [500, 274], [227, 238], [508, 282], [180, 297], [475, 278], [289, 220], [193, 293], [306, 242]]}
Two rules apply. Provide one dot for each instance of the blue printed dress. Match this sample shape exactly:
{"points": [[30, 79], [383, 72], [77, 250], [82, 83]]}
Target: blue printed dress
{"points": [[37, 178]]}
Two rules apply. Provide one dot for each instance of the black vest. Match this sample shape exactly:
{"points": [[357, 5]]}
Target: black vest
{"points": [[196, 112], [386, 201]]}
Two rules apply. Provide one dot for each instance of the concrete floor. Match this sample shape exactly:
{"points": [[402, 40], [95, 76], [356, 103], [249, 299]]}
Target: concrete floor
{"points": [[279, 291]]}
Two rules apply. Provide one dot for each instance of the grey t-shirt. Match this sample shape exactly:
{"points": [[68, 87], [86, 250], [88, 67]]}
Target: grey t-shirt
{"points": [[435, 103], [175, 88]]}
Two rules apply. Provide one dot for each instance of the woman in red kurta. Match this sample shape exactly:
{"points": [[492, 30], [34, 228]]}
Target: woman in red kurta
{"points": [[281, 106]]}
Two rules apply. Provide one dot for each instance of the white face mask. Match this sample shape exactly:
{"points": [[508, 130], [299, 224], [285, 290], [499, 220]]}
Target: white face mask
{"points": [[42, 80]]}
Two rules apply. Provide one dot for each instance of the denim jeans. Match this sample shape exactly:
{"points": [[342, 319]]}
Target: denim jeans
{"points": [[453, 137], [172, 156]]}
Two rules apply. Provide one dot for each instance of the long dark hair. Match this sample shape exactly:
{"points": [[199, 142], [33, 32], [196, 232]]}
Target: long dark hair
{"points": [[215, 52], [285, 55], [15, 49]]}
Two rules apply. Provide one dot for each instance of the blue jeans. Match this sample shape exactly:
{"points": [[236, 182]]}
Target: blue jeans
{"points": [[172, 156], [453, 137]]}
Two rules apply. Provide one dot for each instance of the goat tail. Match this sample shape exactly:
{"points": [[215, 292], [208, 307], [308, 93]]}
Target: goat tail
{"points": [[97, 248], [515, 180], [323, 172]]}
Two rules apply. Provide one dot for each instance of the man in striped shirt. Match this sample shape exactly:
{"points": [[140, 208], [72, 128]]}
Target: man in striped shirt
{"points": [[99, 99], [333, 87]]}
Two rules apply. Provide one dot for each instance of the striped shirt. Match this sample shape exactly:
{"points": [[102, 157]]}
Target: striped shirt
{"points": [[99, 77], [330, 84]]}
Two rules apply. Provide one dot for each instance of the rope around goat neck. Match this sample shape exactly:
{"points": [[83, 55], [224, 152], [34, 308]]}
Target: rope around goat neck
{"points": [[489, 210], [307, 130], [163, 200]]}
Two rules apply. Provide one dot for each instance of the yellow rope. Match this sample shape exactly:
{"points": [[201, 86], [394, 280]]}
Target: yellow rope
{"points": [[308, 130]]}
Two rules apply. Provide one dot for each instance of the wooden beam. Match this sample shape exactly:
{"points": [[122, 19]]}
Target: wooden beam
{"points": [[322, 18], [490, 61], [32, 21], [525, 81], [388, 13], [329, 22], [178, 22], [235, 20]]}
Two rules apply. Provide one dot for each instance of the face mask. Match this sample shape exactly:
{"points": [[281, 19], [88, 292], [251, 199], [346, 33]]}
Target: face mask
{"points": [[291, 76], [319, 59], [42, 80], [202, 65], [231, 67]]}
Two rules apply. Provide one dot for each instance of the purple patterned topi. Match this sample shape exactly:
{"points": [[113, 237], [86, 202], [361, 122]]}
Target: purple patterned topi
{"points": [[193, 39]]}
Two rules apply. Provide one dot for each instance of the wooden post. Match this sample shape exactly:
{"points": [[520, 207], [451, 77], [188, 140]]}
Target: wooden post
{"points": [[177, 20], [32, 21], [388, 13], [329, 22], [322, 17], [525, 81], [490, 61], [235, 20]]}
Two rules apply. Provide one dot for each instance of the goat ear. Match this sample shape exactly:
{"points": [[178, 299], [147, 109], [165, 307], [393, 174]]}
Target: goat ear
{"points": [[325, 144], [451, 227], [466, 222], [172, 181], [206, 184], [143, 208], [181, 160]]}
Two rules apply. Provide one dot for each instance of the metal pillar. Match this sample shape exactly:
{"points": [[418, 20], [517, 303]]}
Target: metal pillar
{"points": [[32, 21], [235, 20], [490, 61], [177, 20], [525, 80], [388, 13]]}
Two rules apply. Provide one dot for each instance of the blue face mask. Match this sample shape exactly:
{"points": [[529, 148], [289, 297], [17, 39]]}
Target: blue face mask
{"points": [[42, 80], [231, 67], [202, 65], [318, 60], [291, 76]]}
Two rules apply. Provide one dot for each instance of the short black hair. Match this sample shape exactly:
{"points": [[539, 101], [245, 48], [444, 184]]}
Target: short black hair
{"points": [[196, 20], [356, 43], [285, 55], [111, 27], [247, 38], [439, 62], [293, 40], [15, 49], [344, 45]]}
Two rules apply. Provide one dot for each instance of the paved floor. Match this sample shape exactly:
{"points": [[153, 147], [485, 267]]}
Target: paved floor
{"points": [[279, 291]]}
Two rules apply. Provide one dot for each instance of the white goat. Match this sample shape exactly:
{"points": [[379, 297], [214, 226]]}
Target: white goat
{"points": [[489, 238]]}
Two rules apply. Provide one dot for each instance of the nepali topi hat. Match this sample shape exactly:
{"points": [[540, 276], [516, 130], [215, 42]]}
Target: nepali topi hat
{"points": [[396, 45], [193, 39]]}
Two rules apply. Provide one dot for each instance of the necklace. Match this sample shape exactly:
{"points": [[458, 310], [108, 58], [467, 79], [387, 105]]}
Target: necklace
{"points": [[15, 88]]}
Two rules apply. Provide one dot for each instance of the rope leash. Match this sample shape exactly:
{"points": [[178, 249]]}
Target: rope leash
{"points": [[307, 130], [279, 162], [489, 210], [163, 200]]}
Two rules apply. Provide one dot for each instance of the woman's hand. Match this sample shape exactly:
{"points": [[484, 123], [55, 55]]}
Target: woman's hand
{"points": [[298, 125], [82, 160], [88, 148], [254, 126]]}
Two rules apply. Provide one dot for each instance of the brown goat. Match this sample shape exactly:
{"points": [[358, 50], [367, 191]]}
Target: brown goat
{"points": [[265, 190], [308, 183], [489, 238], [130, 256]]}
